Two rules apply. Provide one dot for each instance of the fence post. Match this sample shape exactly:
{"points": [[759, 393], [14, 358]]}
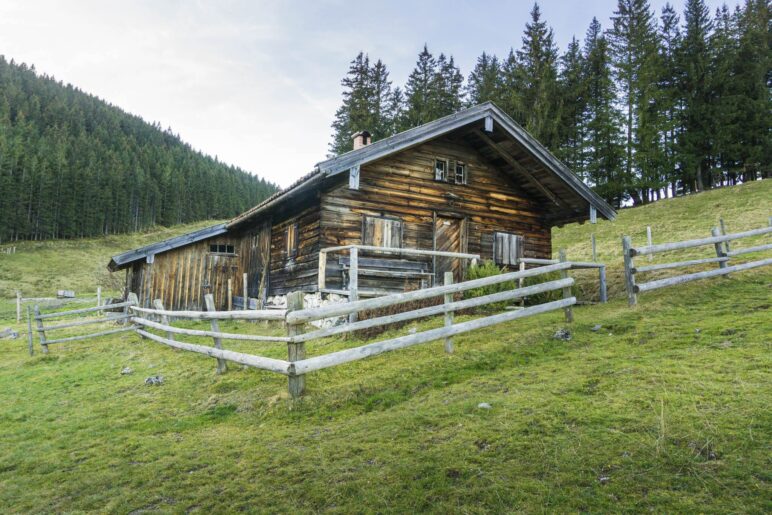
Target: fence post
{"points": [[158, 304], [627, 245], [649, 241], [131, 297], [594, 250], [29, 332], [719, 248], [209, 302], [602, 279], [353, 281], [18, 306], [521, 268], [723, 233], [567, 290], [448, 314], [244, 292], [99, 296], [230, 294], [296, 351], [41, 330], [322, 278]]}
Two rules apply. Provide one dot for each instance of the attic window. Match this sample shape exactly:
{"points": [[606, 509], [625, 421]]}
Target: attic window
{"points": [[460, 173], [441, 170], [222, 248]]}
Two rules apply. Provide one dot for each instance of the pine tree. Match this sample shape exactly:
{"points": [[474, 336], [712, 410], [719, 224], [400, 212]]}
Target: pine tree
{"points": [[603, 156], [446, 88], [670, 102], [753, 79], [632, 41], [510, 98], [419, 96], [484, 82], [572, 89], [538, 77], [696, 139], [354, 113]]}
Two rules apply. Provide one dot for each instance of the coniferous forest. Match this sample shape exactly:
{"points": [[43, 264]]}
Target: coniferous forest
{"points": [[72, 165], [652, 106]]}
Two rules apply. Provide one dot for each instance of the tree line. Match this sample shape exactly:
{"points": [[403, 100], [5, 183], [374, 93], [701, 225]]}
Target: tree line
{"points": [[650, 107], [72, 165]]}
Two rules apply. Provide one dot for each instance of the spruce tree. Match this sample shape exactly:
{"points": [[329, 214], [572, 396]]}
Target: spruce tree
{"points": [[419, 95], [484, 82], [603, 155], [632, 41], [696, 138], [537, 72], [572, 89]]}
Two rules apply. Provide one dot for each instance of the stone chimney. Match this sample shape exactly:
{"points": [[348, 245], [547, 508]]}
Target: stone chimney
{"points": [[361, 139]]}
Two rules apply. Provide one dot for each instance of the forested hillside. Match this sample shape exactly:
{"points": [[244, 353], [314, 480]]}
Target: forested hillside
{"points": [[72, 165], [652, 105]]}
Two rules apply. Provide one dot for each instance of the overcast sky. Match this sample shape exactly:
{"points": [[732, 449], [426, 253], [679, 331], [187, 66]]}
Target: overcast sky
{"points": [[257, 82]]}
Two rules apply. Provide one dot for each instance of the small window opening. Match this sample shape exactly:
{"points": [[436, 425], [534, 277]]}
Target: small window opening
{"points": [[460, 173], [440, 170], [222, 248], [292, 241]]}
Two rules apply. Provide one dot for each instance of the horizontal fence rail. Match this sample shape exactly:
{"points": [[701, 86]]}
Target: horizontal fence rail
{"points": [[261, 314], [297, 364], [721, 245], [42, 329]]}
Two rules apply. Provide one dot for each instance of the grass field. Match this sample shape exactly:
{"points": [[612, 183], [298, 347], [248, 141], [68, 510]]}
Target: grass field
{"points": [[664, 409]]}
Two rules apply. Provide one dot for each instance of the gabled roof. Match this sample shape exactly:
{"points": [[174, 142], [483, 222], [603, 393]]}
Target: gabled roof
{"points": [[487, 112], [122, 260], [481, 124]]}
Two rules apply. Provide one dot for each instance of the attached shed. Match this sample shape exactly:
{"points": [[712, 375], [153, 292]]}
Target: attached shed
{"points": [[473, 183]]}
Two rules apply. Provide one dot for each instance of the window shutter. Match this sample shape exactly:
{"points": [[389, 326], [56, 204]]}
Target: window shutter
{"points": [[382, 232], [507, 248]]}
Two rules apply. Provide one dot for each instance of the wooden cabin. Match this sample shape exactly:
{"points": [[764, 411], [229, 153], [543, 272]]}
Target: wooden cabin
{"points": [[474, 183]]}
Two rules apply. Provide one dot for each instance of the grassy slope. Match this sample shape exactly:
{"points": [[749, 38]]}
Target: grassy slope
{"points": [[665, 409], [39, 268]]}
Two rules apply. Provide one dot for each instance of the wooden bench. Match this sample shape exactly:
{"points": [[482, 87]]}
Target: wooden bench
{"points": [[389, 269]]}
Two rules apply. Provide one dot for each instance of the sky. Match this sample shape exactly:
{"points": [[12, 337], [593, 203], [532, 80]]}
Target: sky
{"points": [[257, 82]]}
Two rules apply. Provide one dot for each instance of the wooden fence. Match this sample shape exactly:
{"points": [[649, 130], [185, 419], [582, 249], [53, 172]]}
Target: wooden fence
{"points": [[575, 265], [54, 301], [40, 319], [297, 365], [720, 243]]}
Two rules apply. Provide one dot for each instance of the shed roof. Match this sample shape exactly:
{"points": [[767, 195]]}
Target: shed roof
{"points": [[123, 260]]}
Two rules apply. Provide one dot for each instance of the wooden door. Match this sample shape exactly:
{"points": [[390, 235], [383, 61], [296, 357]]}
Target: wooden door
{"points": [[449, 236]]}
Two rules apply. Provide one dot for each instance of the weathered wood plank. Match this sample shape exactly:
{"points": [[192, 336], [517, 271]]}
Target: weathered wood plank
{"points": [[263, 314], [373, 349], [749, 250], [211, 334], [390, 300], [296, 350], [677, 264], [448, 280], [59, 314], [438, 309], [567, 290], [273, 365], [209, 302], [664, 247], [627, 256], [679, 279], [92, 335]]}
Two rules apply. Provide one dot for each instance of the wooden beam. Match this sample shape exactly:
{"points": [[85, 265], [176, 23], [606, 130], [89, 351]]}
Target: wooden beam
{"points": [[488, 124], [353, 178], [517, 166]]}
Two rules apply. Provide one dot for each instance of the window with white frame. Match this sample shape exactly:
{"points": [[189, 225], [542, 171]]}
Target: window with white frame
{"points": [[441, 170], [460, 175]]}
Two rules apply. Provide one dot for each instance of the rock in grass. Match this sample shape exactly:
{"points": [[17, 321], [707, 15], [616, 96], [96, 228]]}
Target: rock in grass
{"points": [[596, 328], [126, 371], [484, 405], [154, 380], [9, 333], [562, 334]]}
